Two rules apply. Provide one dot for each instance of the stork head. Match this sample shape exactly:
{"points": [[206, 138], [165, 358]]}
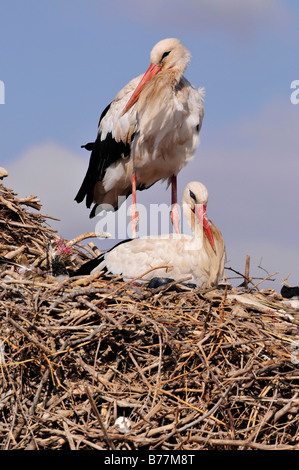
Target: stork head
{"points": [[195, 197], [195, 193], [168, 55]]}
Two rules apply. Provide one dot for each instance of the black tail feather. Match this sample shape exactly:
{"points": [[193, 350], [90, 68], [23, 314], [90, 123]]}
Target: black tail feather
{"points": [[289, 292], [87, 267], [89, 146]]}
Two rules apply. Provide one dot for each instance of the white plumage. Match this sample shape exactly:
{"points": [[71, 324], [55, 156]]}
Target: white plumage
{"points": [[199, 257]]}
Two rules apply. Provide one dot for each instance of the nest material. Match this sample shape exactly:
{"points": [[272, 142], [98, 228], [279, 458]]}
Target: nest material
{"points": [[178, 368]]}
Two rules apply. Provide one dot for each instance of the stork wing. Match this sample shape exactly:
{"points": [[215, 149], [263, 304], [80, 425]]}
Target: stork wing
{"points": [[113, 142]]}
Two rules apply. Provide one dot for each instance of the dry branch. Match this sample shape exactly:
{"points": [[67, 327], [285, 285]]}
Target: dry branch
{"points": [[191, 369]]}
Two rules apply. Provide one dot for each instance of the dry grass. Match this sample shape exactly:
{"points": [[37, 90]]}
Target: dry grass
{"points": [[189, 369]]}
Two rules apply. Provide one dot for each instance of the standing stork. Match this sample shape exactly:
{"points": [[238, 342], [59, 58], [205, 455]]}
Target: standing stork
{"points": [[149, 132], [176, 256]]}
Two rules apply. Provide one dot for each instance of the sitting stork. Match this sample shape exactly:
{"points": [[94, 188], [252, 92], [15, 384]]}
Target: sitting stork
{"points": [[200, 257]]}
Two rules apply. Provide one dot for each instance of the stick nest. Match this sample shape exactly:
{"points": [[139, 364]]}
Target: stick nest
{"points": [[93, 363]]}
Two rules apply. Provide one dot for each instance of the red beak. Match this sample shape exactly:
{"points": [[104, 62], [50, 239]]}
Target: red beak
{"points": [[149, 74], [201, 214]]}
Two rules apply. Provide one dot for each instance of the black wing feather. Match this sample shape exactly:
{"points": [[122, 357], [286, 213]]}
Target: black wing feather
{"points": [[89, 265], [103, 154]]}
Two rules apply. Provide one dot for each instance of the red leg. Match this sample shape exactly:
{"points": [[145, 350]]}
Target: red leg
{"points": [[134, 213], [174, 214]]}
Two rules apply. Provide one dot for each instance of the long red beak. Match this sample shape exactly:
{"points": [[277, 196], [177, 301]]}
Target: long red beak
{"points": [[149, 74], [201, 214]]}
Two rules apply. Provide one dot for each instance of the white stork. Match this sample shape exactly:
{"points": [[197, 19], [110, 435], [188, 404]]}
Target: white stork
{"points": [[149, 132], [200, 257]]}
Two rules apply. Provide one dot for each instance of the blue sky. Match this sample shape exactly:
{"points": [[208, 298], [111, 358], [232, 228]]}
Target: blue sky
{"points": [[63, 61]]}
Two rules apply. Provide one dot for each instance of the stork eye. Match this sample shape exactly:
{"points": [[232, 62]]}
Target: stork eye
{"points": [[165, 55], [192, 195]]}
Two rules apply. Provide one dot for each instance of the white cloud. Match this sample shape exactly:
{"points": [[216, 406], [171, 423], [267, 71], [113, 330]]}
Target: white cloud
{"points": [[54, 174]]}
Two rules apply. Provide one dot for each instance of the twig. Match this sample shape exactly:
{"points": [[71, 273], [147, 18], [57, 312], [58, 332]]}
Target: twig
{"points": [[279, 414], [98, 416], [31, 338], [83, 236], [246, 276]]}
